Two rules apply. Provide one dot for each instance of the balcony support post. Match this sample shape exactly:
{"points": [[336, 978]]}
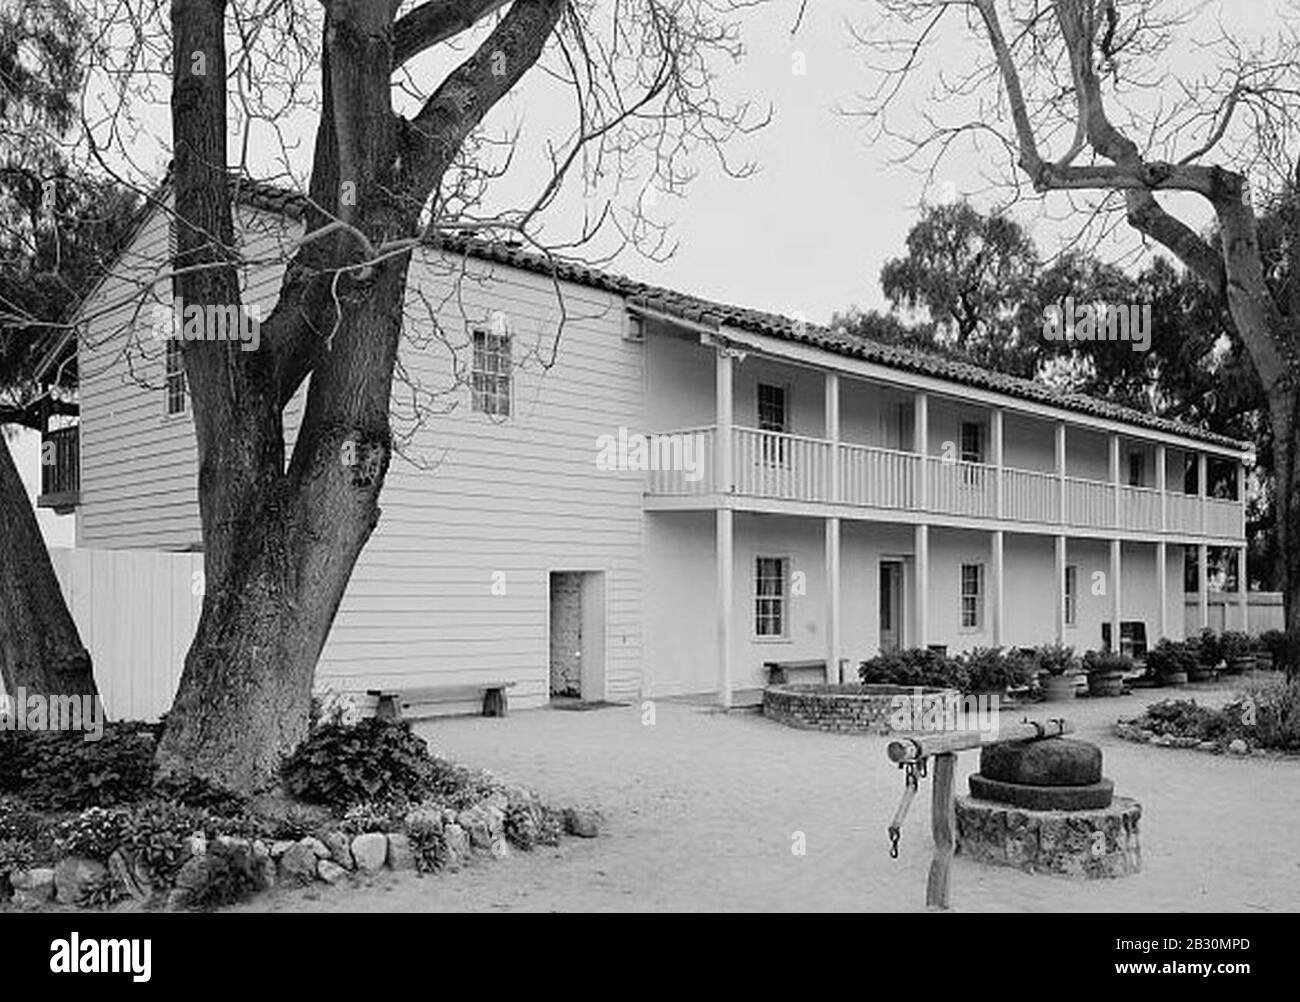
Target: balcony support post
{"points": [[1060, 472], [997, 589], [1162, 591], [1203, 584], [1202, 487], [921, 446], [1162, 485], [1058, 616], [996, 423], [833, 642], [832, 396], [1243, 590], [725, 573], [1116, 593], [724, 419], [921, 600], [1115, 481]]}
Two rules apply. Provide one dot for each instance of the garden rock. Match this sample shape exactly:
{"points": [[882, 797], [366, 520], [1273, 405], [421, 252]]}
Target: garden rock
{"points": [[329, 871], [32, 887], [298, 864], [500, 847], [475, 822], [370, 850], [400, 856], [280, 847], [317, 846], [196, 844], [340, 848], [191, 882], [74, 877], [1238, 747], [581, 822]]}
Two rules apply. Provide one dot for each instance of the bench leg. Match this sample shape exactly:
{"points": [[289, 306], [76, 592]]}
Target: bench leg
{"points": [[494, 703]]}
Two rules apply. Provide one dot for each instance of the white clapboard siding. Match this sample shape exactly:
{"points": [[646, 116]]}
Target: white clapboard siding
{"points": [[468, 497], [136, 612]]}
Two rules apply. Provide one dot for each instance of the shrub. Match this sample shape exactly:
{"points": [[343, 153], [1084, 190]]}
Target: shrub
{"points": [[915, 667], [230, 876], [341, 765], [1169, 657], [1235, 644], [1106, 663], [1274, 642], [193, 791], [991, 669], [458, 787], [428, 846], [94, 833], [1208, 647], [154, 838], [61, 770], [1055, 659], [1187, 719], [1274, 707]]}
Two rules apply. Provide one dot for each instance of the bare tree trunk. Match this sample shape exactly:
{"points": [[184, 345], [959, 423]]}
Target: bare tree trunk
{"points": [[40, 648], [1284, 406]]}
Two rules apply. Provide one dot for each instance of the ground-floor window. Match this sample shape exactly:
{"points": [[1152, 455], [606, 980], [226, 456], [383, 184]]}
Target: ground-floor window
{"points": [[769, 596], [1071, 595], [972, 596]]}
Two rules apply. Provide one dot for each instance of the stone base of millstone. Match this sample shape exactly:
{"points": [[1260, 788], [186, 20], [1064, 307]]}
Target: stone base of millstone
{"points": [[1092, 844]]}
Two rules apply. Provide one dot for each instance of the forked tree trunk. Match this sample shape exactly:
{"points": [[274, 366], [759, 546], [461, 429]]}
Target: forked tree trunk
{"points": [[40, 648]]}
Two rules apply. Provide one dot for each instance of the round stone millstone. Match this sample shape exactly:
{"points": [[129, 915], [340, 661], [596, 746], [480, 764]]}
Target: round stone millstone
{"points": [[1047, 762], [1084, 797]]}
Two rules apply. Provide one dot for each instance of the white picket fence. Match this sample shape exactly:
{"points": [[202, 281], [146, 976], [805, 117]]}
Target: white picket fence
{"points": [[137, 612]]}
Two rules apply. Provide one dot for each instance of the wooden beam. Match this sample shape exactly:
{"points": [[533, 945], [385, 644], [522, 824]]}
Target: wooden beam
{"points": [[941, 742]]}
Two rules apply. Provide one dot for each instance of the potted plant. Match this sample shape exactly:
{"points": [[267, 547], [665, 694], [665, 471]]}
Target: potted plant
{"points": [[1106, 671], [992, 671], [1171, 661], [1057, 667], [1208, 648], [1238, 652]]}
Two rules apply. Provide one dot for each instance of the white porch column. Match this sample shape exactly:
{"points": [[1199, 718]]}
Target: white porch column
{"points": [[1059, 615], [1203, 584], [725, 574], [1202, 487], [833, 651], [1116, 593], [1060, 472], [1162, 592], [832, 397], [1115, 481], [724, 411], [1243, 590], [997, 591], [1162, 485], [921, 446], [921, 576], [996, 424]]}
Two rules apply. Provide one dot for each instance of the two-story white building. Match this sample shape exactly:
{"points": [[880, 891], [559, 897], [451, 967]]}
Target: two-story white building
{"points": [[844, 496]]}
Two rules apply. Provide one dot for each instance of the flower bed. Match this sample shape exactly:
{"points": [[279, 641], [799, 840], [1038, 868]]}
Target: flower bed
{"points": [[371, 798], [851, 709], [1263, 720]]}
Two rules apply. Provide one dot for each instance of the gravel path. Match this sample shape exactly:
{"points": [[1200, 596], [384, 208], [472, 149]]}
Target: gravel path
{"points": [[703, 810]]}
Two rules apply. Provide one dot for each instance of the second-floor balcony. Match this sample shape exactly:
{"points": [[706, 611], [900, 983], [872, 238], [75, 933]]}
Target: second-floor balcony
{"points": [[784, 467]]}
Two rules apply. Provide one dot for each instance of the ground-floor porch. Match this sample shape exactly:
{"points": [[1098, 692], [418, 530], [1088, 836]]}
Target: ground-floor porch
{"points": [[728, 591]]}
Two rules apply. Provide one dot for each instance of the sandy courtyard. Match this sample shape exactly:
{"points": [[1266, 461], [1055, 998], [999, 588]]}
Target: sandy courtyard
{"points": [[703, 810]]}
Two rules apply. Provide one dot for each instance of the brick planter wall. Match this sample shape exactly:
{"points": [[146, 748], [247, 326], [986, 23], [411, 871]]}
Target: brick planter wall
{"points": [[843, 709]]}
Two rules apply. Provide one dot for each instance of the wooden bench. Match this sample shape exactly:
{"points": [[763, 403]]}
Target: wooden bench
{"points": [[778, 672], [391, 702]]}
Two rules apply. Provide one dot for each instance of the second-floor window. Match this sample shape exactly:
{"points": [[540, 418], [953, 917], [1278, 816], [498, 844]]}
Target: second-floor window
{"points": [[175, 390], [972, 596], [769, 597], [773, 417], [490, 376], [1071, 595]]}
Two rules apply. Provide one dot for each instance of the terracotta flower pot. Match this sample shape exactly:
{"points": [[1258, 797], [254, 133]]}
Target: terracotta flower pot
{"points": [[1058, 688], [1106, 684], [1242, 664]]}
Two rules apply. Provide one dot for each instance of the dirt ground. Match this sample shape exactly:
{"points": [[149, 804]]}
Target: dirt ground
{"points": [[704, 809]]}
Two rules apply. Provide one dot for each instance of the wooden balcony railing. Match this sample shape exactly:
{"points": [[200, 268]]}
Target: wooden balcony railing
{"points": [[797, 468], [60, 469]]}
